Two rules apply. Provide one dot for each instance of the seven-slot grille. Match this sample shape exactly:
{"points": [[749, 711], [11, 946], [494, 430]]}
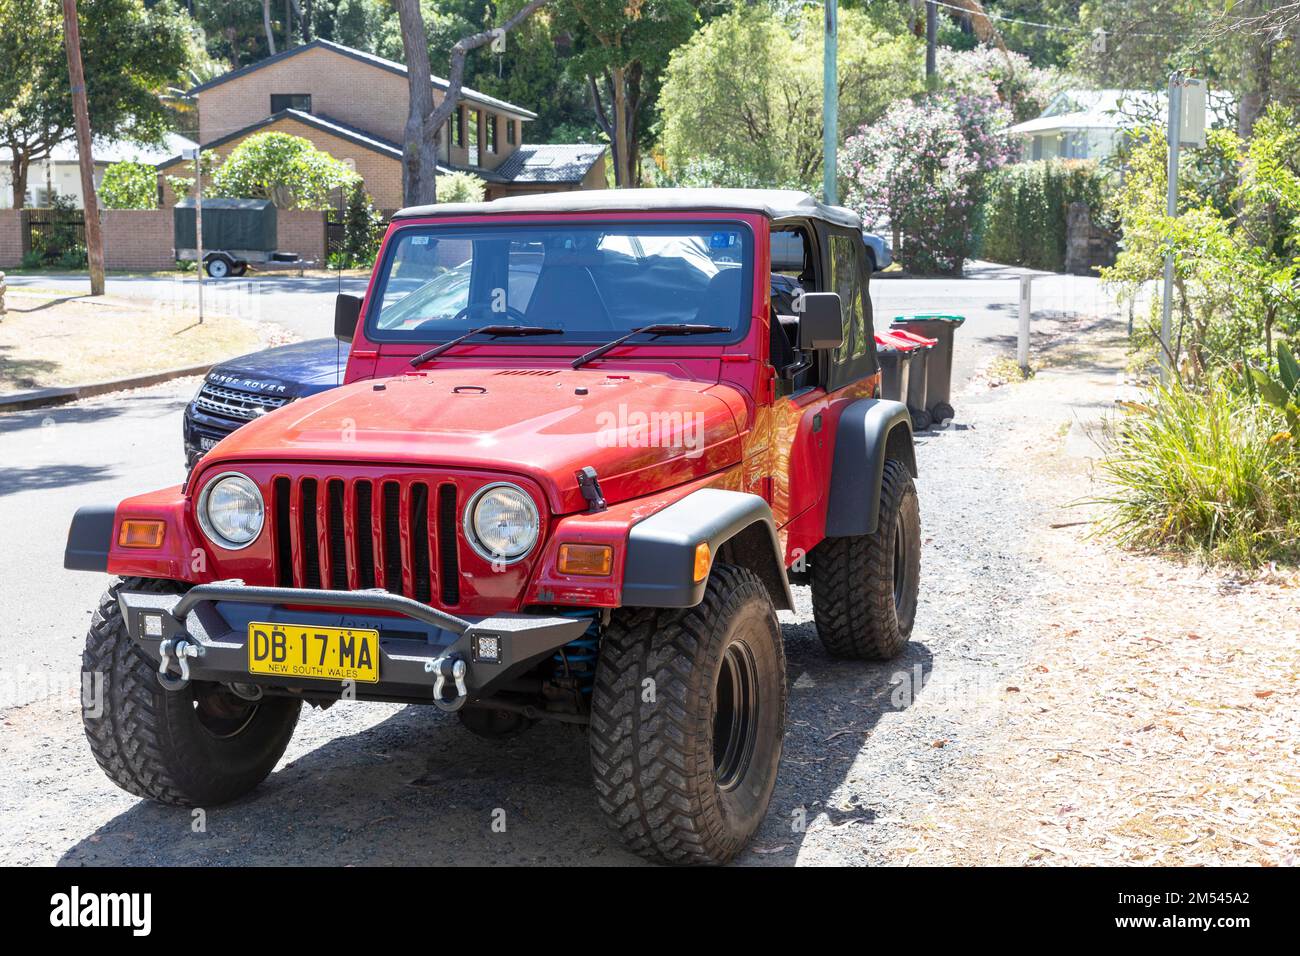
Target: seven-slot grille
{"points": [[397, 534], [236, 403]]}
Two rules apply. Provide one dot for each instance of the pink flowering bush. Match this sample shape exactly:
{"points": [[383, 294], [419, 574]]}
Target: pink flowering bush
{"points": [[922, 170]]}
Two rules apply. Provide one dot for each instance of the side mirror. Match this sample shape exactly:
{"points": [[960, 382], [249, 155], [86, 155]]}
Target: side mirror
{"points": [[821, 323], [347, 309]]}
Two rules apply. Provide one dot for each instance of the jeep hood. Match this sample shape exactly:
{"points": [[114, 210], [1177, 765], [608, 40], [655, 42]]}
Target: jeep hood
{"points": [[641, 431]]}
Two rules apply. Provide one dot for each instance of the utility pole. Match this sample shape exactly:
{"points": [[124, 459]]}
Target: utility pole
{"points": [[830, 102], [931, 39], [81, 113], [197, 153]]}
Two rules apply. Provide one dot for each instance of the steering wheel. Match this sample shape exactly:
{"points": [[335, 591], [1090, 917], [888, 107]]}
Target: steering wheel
{"points": [[511, 311]]}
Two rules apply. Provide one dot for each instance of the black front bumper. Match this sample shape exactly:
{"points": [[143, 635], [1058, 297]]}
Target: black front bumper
{"points": [[415, 640]]}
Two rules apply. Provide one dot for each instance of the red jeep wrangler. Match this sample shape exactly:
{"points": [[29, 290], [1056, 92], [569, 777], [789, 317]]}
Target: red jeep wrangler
{"points": [[586, 442]]}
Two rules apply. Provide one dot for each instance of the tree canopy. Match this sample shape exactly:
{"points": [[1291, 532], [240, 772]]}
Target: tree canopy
{"points": [[122, 82], [743, 97]]}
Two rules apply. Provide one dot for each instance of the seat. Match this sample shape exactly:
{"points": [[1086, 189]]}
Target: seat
{"points": [[721, 299], [569, 294]]}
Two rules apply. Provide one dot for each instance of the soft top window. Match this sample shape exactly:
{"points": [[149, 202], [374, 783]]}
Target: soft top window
{"points": [[593, 280]]}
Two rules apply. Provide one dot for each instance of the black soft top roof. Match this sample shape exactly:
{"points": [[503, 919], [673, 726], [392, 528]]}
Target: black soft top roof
{"points": [[776, 204]]}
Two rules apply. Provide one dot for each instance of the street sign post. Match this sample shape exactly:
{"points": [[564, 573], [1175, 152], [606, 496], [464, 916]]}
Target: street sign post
{"points": [[1186, 128]]}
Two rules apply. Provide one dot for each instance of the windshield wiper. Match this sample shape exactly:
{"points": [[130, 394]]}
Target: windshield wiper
{"points": [[494, 330], [667, 328]]}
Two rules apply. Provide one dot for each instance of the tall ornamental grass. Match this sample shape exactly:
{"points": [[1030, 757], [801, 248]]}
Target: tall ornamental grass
{"points": [[1206, 471]]}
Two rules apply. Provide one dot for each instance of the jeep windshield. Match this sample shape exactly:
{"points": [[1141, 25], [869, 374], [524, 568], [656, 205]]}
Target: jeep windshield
{"points": [[594, 281]]}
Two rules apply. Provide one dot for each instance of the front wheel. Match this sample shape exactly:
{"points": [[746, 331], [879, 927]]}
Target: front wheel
{"points": [[687, 720], [864, 587], [199, 746], [218, 267]]}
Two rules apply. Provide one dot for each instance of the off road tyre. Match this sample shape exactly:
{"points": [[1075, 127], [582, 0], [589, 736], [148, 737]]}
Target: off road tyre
{"points": [[864, 587], [687, 721], [200, 746]]}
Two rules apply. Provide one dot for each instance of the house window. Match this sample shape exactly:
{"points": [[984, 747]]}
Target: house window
{"points": [[510, 132], [490, 131], [291, 101], [472, 134], [458, 127]]}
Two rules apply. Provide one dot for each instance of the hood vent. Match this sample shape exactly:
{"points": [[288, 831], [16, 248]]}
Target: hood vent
{"points": [[528, 371]]}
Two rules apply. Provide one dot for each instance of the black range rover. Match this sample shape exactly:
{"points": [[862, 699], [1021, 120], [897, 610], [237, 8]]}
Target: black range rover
{"points": [[248, 387]]}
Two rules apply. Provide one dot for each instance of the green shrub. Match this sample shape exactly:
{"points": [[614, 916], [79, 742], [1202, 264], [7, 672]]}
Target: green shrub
{"points": [[1024, 217], [129, 185], [1207, 471], [460, 187], [288, 170], [363, 228]]}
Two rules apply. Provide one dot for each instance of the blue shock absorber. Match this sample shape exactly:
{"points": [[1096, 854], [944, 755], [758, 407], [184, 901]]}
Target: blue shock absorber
{"points": [[578, 657]]}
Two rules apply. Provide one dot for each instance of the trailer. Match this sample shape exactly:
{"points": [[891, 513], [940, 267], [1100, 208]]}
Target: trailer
{"points": [[237, 233]]}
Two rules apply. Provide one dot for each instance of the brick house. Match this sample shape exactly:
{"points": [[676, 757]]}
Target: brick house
{"points": [[352, 105]]}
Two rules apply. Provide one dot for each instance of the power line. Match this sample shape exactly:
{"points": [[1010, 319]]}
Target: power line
{"points": [[1060, 28]]}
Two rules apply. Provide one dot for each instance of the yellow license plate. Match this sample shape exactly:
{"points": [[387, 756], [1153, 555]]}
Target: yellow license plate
{"points": [[326, 653]]}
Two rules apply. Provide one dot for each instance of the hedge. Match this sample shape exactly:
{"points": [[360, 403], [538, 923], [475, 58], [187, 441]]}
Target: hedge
{"points": [[1023, 219]]}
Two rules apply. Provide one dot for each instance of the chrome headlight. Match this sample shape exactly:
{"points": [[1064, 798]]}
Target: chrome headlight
{"points": [[231, 511], [501, 522]]}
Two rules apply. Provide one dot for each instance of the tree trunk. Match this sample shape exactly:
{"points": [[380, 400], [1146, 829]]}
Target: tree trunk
{"points": [[18, 167], [622, 157], [424, 122], [266, 25], [1256, 71], [419, 149]]}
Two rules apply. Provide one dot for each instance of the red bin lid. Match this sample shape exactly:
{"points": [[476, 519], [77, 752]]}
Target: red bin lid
{"points": [[918, 341], [893, 339]]}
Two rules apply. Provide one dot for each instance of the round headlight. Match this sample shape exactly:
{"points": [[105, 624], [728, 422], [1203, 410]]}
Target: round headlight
{"points": [[231, 511], [502, 523]]}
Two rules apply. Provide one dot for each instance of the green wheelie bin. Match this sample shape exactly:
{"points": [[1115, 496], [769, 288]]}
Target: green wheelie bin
{"points": [[938, 379]]}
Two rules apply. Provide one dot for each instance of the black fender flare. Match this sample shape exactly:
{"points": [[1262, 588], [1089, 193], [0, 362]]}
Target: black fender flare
{"points": [[89, 538], [660, 566], [870, 430]]}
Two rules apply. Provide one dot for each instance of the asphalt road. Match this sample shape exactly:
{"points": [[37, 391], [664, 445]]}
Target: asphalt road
{"points": [[104, 449]]}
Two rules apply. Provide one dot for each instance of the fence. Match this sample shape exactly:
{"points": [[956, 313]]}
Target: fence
{"points": [[53, 233], [134, 239]]}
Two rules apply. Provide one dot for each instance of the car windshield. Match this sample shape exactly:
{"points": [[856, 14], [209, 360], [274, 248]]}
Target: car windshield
{"points": [[593, 280]]}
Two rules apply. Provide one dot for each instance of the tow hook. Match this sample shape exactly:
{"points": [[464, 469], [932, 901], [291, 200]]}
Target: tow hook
{"points": [[183, 651], [448, 668]]}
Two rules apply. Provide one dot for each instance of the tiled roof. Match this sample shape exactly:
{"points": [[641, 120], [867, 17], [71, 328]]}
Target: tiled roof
{"points": [[567, 163], [391, 66], [324, 123]]}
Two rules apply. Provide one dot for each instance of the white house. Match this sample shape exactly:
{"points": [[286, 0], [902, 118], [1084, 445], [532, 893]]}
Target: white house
{"points": [[61, 173], [1087, 124]]}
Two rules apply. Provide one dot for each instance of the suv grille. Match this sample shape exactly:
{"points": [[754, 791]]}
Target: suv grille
{"points": [[364, 533], [236, 403]]}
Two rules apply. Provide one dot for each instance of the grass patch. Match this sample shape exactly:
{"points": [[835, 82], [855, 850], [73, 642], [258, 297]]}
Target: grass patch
{"points": [[50, 341], [1203, 471], [1004, 370]]}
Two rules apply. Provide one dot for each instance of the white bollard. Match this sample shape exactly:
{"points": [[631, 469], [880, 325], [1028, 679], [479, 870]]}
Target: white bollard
{"points": [[1022, 345]]}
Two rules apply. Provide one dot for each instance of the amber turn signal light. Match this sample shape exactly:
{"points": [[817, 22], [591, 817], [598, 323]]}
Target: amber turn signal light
{"points": [[141, 534], [586, 559], [702, 557]]}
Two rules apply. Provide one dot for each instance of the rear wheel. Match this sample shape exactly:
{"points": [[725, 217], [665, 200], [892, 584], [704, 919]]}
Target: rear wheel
{"points": [[864, 587], [202, 745], [218, 267], [687, 720]]}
